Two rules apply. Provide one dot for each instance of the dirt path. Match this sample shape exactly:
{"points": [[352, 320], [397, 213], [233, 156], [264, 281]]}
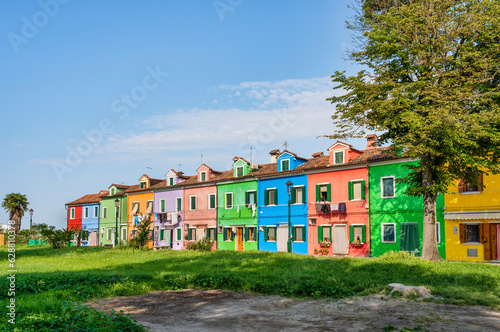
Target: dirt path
{"points": [[215, 310]]}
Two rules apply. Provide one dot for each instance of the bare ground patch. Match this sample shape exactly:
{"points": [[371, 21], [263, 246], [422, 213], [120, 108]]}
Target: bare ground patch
{"points": [[216, 310]]}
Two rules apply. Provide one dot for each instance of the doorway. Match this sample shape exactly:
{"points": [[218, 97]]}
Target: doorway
{"points": [[409, 238], [490, 241], [339, 240], [239, 238], [282, 238]]}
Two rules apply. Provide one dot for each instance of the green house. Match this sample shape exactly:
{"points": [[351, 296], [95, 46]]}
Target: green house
{"points": [[237, 207], [396, 219], [110, 215]]}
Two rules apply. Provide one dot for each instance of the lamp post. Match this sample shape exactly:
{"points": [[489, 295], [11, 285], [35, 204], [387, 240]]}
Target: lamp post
{"points": [[117, 205], [289, 186], [31, 220]]}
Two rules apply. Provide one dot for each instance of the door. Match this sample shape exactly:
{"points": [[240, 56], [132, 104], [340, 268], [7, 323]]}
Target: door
{"points": [[409, 238], [340, 244], [282, 238], [239, 238], [490, 241], [200, 233], [168, 237]]}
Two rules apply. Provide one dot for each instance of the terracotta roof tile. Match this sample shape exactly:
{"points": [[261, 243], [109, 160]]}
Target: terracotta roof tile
{"points": [[88, 199]]}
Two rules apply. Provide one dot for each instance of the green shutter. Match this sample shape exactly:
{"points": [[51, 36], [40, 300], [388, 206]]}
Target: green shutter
{"points": [[363, 195], [304, 195], [246, 233], [293, 198], [247, 198], [351, 233], [363, 233], [320, 233], [179, 234], [212, 201], [304, 234], [232, 235], [162, 205], [266, 233], [318, 193], [331, 233], [266, 197], [351, 191], [224, 234], [275, 196], [189, 234], [294, 229], [161, 235], [328, 192]]}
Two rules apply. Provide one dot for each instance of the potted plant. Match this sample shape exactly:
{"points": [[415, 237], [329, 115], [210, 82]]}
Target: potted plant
{"points": [[325, 244]]}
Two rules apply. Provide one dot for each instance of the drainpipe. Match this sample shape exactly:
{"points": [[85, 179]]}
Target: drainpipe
{"points": [[369, 214]]}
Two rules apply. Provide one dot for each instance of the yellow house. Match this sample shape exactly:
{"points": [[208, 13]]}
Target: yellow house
{"points": [[472, 220], [140, 206]]}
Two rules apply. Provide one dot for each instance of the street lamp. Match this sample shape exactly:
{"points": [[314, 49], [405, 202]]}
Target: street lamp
{"points": [[289, 186], [117, 205], [31, 220]]}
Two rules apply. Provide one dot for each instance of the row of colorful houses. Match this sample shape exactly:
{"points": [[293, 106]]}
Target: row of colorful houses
{"points": [[345, 203]]}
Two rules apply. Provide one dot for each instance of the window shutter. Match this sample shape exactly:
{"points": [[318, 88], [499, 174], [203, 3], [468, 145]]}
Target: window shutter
{"points": [[481, 233], [189, 234], [304, 234], [363, 233], [179, 234], [351, 232], [246, 234], [318, 193], [293, 198], [232, 235], [275, 196], [161, 235], [224, 234], [330, 229], [304, 195], [461, 186], [480, 182], [463, 231], [247, 198], [294, 229], [351, 191], [320, 233], [266, 197], [328, 192], [363, 191], [266, 234]]}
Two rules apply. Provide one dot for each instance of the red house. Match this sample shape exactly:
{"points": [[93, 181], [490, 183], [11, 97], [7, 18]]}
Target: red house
{"points": [[74, 215]]}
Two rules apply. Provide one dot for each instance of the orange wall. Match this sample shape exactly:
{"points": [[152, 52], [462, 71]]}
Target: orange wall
{"points": [[143, 199]]}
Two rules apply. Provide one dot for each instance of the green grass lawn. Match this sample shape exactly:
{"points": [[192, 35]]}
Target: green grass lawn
{"points": [[51, 284]]}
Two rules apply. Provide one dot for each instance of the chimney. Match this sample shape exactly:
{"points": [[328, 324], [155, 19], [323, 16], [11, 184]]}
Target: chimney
{"points": [[317, 154], [274, 155], [371, 142]]}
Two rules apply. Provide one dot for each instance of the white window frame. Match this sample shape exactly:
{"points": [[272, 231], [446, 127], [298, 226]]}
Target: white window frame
{"points": [[335, 157], [145, 184], [225, 200], [255, 233], [438, 232], [330, 233], [471, 224], [96, 212], [268, 197], [303, 188], [212, 208], [109, 233], [104, 213], [86, 212], [72, 213], [195, 203], [283, 160], [231, 232], [170, 181], [382, 232], [253, 191], [382, 186], [275, 229], [111, 191], [177, 205], [242, 170], [103, 230], [201, 176], [124, 232], [164, 204], [302, 226], [360, 182]]}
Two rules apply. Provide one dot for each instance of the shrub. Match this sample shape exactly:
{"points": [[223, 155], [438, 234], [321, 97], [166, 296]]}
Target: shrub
{"points": [[202, 245]]}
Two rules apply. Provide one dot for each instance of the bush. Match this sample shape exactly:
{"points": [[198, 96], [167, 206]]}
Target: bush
{"points": [[203, 245]]}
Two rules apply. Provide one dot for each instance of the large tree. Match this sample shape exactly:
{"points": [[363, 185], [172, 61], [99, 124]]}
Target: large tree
{"points": [[430, 87], [15, 205]]}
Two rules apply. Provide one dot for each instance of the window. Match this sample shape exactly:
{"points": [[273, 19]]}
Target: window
{"points": [[229, 200], [298, 233], [192, 203], [135, 208], [85, 235], [124, 234], [117, 212], [339, 157], [96, 211], [438, 232], [357, 234], [270, 233], [110, 231], [203, 176], [72, 213], [162, 206], [212, 234], [285, 165], [250, 198], [250, 234], [86, 210], [171, 181], [228, 234], [178, 233], [143, 184], [298, 195], [271, 197], [211, 201], [469, 233], [387, 187], [388, 233], [324, 233], [471, 188], [323, 192], [356, 190], [102, 230], [178, 204], [111, 191], [104, 212], [239, 171]]}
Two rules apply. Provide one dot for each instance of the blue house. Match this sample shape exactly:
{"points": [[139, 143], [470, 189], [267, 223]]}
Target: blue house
{"points": [[90, 219], [273, 205]]}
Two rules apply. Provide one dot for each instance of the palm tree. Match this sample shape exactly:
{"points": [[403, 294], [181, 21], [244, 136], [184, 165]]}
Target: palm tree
{"points": [[15, 205]]}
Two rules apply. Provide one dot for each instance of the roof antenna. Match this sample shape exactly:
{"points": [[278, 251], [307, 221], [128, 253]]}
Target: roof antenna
{"points": [[285, 144], [201, 159], [147, 167], [179, 168], [251, 148]]}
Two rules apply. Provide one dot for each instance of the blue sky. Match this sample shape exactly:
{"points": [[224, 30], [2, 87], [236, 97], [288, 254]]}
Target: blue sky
{"points": [[100, 92]]}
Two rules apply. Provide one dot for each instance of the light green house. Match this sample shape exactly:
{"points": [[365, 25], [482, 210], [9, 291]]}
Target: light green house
{"points": [[110, 215]]}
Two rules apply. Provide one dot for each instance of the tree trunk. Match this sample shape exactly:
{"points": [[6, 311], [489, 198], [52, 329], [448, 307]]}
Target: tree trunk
{"points": [[429, 241]]}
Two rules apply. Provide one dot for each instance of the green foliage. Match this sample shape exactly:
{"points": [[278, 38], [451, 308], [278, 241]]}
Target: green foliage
{"points": [[57, 238], [143, 233], [203, 245], [15, 205]]}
